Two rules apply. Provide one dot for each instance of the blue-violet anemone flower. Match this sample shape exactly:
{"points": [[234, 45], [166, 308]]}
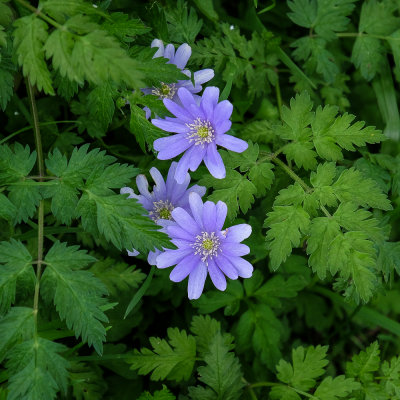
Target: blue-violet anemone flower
{"points": [[204, 248], [163, 199], [180, 59], [199, 129]]}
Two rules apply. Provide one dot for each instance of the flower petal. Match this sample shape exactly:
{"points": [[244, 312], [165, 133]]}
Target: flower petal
{"points": [[234, 249], [196, 282], [182, 55], [244, 268], [178, 111], [185, 221], [214, 162], [223, 111], [237, 233], [160, 190], [168, 126], [226, 267], [175, 231], [203, 76], [217, 277], [222, 127], [171, 146], [184, 268], [152, 257], [210, 95], [169, 52], [158, 43], [143, 186], [133, 253], [183, 166], [197, 157], [196, 207], [172, 257], [128, 190], [209, 216], [222, 210], [232, 143], [186, 97]]}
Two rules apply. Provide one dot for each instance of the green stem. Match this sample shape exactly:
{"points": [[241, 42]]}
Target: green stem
{"points": [[36, 11], [28, 128], [361, 34], [264, 384], [103, 358], [278, 98], [39, 150]]}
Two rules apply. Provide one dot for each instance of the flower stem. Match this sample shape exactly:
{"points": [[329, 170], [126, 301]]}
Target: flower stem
{"points": [[39, 150]]}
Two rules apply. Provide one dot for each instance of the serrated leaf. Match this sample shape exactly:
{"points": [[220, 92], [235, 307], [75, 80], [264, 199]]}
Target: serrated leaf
{"points": [[307, 365], [17, 324], [78, 295], [368, 55], [29, 37], [163, 394], [364, 364], [15, 267], [6, 87], [124, 27], [204, 328], [335, 388], [351, 186], [37, 370], [25, 199], [235, 190], [172, 359], [7, 209], [287, 224], [221, 374]]}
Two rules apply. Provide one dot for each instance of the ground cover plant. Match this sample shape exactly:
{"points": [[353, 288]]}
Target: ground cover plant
{"points": [[199, 199]]}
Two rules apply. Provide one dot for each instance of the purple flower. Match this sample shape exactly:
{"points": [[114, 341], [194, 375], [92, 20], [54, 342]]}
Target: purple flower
{"points": [[164, 198], [199, 129], [180, 59], [203, 247]]}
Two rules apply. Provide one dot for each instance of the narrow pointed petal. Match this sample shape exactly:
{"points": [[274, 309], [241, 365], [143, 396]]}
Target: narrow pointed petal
{"points": [[160, 190], [186, 97], [232, 143], [217, 277], [223, 111], [226, 267], [196, 282], [168, 126], [237, 233], [203, 76], [244, 268], [235, 249], [183, 166], [182, 55], [176, 231], [172, 257], [197, 157], [184, 268], [169, 52], [222, 210], [158, 43], [133, 253], [196, 207], [178, 111], [152, 257], [222, 127], [143, 186], [171, 146], [128, 190], [209, 216], [185, 221], [214, 162]]}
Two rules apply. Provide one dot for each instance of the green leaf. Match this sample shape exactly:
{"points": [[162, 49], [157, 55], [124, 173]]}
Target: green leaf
{"points": [[117, 276], [29, 37], [25, 199], [6, 87], [78, 295], [163, 394], [331, 132], [207, 8], [172, 359], [304, 12], [334, 388], [15, 267], [307, 365], [37, 371], [235, 190], [204, 328], [389, 258], [124, 27], [286, 223], [145, 132], [322, 232], [260, 328], [17, 324], [351, 186], [368, 55], [5, 13], [7, 209], [222, 374], [364, 364]]}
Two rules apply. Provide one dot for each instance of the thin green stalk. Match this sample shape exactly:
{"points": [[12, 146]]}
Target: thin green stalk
{"points": [[28, 6], [39, 150], [278, 98], [28, 128]]}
